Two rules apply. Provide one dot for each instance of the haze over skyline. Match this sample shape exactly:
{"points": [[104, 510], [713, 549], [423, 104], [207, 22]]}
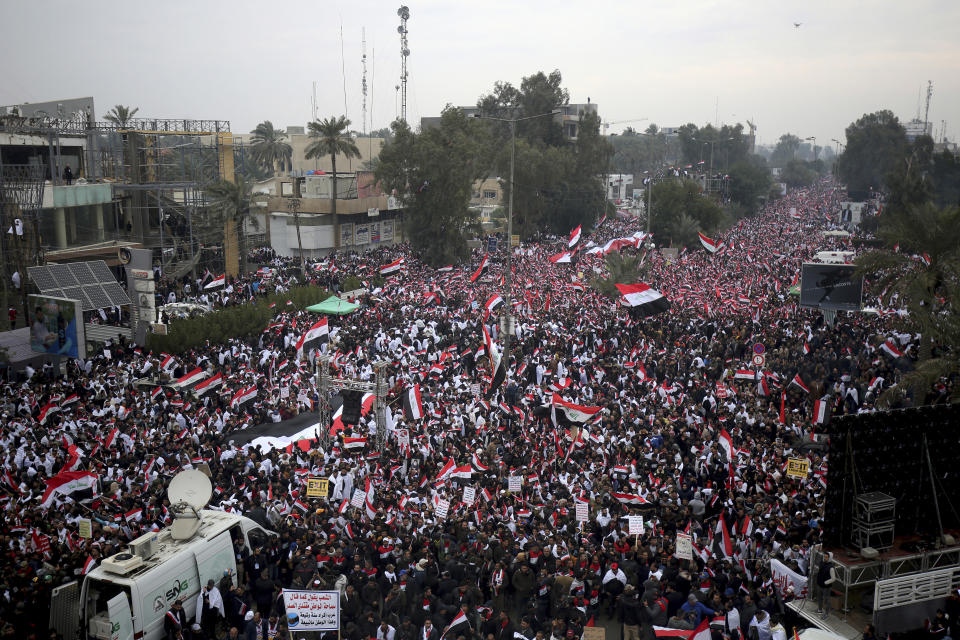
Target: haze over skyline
{"points": [[702, 61]]}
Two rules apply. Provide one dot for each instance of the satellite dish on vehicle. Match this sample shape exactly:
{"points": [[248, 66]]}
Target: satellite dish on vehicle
{"points": [[190, 487]]}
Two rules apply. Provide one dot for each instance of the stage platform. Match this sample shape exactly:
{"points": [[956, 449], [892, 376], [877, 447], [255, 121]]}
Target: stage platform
{"points": [[807, 609]]}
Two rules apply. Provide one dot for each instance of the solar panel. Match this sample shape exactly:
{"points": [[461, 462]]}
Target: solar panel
{"points": [[63, 275], [76, 293], [101, 271], [118, 297], [98, 298], [81, 271], [42, 277]]}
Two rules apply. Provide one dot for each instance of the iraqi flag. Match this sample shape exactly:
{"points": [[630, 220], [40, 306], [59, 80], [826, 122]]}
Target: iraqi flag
{"points": [[459, 619], [484, 264], [88, 565], [710, 245], [354, 443], [69, 400], [629, 498], [412, 404], [446, 269], [393, 267], [726, 545], [78, 485], [574, 237], [498, 371], [48, 410], [193, 377], [891, 350], [574, 412], [561, 258], [821, 410], [216, 282], [726, 443], [245, 394], [208, 384], [799, 382], [493, 303], [642, 296], [745, 374], [316, 335]]}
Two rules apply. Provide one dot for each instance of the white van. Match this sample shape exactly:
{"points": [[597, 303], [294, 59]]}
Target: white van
{"points": [[127, 596]]}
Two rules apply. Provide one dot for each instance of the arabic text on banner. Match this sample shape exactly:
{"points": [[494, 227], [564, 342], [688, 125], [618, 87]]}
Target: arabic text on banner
{"points": [[312, 610]]}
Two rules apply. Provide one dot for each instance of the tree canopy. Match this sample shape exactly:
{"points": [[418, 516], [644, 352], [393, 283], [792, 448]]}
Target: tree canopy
{"points": [[121, 115], [728, 144], [434, 172], [875, 144], [270, 147], [680, 211]]}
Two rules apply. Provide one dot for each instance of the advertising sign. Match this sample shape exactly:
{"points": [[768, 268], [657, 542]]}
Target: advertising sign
{"points": [[312, 610], [361, 234], [374, 232], [830, 286], [57, 326], [346, 234], [386, 231]]}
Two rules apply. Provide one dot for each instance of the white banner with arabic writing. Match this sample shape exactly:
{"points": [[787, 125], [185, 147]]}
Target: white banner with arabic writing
{"points": [[784, 577], [312, 610]]}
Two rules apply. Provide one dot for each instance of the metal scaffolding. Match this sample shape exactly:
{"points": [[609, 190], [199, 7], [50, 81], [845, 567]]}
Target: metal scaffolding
{"points": [[328, 385], [21, 196], [157, 169]]}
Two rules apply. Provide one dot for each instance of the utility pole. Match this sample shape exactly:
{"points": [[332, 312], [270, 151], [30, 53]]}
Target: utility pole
{"points": [[507, 317], [293, 206]]}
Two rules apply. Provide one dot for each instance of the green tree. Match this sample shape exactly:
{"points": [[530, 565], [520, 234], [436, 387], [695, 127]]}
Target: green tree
{"points": [[728, 144], [270, 147], [558, 184], [876, 143], [121, 115], [680, 210], [329, 137], [621, 269], [930, 288], [229, 209], [434, 172], [785, 151], [749, 181], [797, 173]]}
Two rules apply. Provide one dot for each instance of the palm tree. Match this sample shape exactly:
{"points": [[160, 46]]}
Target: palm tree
{"points": [[331, 137], [270, 147], [229, 209], [121, 115]]}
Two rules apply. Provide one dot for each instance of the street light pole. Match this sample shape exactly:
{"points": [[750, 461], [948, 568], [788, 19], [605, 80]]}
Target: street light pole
{"points": [[508, 280], [814, 138], [507, 315]]}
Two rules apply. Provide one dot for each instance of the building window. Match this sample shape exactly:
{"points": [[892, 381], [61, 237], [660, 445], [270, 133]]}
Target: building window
{"points": [[489, 194], [616, 192]]}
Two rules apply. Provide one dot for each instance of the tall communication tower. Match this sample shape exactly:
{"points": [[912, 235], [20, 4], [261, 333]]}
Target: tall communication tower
{"points": [[363, 82], [404, 14], [926, 113]]}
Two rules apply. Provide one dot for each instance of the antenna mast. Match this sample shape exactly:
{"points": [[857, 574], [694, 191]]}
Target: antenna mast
{"points": [[404, 14], [363, 82], [926, 113]]}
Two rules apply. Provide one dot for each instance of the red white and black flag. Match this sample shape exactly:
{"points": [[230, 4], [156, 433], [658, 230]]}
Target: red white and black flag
{"points": [[710, 245], [648, 300], [316, 335], [574, 237], [498, 371], [393, 267], [821, 410], [797, 380], [412, 404], [573, 412], [484, 264], [493, 303]]}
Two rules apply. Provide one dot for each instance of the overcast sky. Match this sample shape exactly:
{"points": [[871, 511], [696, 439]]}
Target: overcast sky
{"points": [[669, 62]]}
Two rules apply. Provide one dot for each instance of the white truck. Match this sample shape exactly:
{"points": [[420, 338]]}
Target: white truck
{"points": [[127, 596]]}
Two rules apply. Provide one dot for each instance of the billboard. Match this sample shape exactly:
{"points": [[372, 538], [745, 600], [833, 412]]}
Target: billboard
{"points": [[361, 234], [386, 231], [57, 326], [830, 286], [346, 234]]}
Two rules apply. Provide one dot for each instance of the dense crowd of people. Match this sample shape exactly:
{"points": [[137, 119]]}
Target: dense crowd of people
{"points": [[670, 428]]}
